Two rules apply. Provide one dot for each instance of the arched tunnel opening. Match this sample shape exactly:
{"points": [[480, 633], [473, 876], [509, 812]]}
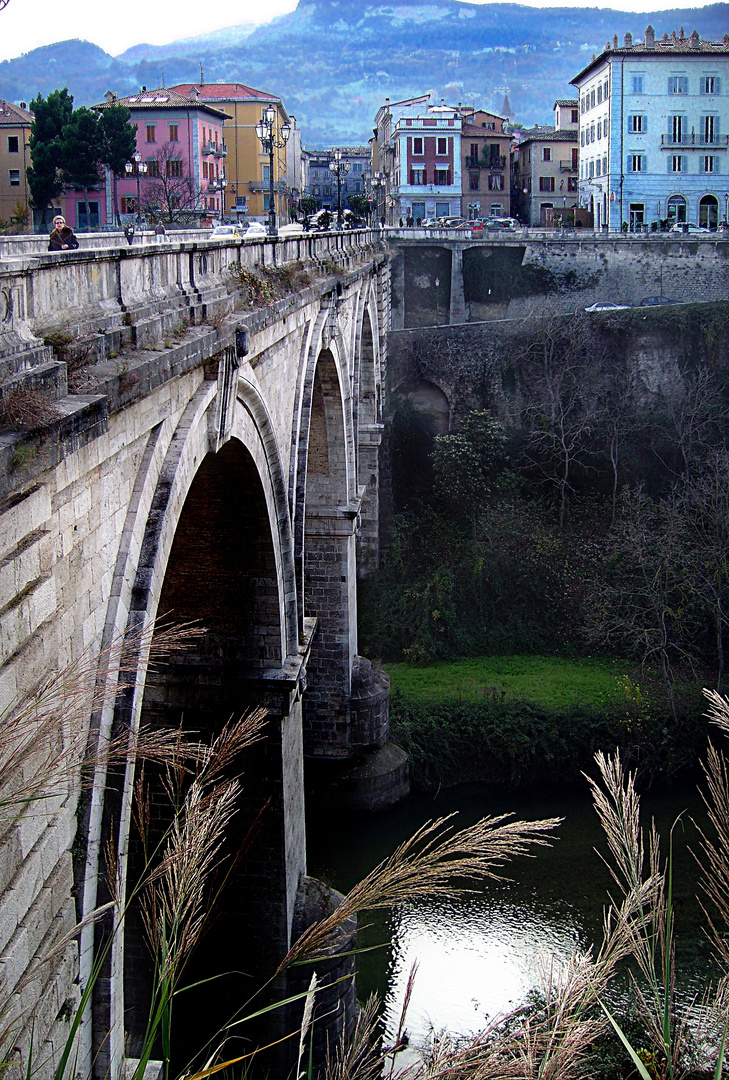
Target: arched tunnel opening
{"points": [[222, 575]]}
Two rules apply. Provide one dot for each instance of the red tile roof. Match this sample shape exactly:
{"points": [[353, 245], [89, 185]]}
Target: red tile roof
{"points": [[224, 92]]}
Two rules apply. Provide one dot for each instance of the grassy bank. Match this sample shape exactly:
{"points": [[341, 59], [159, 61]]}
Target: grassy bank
{"points": [[534, 720]]}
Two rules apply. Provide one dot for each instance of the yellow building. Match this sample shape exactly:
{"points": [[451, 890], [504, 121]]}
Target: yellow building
{"points": [[14, 159], [246, 167]]}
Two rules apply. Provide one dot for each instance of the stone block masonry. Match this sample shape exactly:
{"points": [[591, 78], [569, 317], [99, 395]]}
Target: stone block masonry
{"points": [[208, 461]]}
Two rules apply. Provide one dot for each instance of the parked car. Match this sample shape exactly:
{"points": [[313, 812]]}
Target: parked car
{"points": [[689, 227], [255, 228], [655, 301], [226, 232], [475, 226], [501, 223], [607, 305]]}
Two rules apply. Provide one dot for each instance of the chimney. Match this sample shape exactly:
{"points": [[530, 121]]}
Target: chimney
{"points": [[23, 105], [628, 40], [607, 46], [650, 37], [673, 35], [144, 89], [681, 35], [725, 39], [615, 41], [694, 39]]}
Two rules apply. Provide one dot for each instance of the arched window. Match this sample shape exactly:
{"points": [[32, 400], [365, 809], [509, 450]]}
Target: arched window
{"points": [[676, 209], [709, 212]]}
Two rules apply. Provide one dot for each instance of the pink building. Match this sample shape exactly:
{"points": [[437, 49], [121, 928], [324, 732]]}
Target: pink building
{"points": [[180, 140]]}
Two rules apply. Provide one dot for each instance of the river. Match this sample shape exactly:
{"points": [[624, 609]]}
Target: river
{"points": [[480, 955]]}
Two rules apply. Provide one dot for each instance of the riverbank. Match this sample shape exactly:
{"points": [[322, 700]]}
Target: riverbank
{"points": [[532, 720]]}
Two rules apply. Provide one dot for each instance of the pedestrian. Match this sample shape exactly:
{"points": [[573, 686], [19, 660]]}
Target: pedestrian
{"points": [[401, 223], [62, 237], [409, 221], [129, 232], [160, 232]]}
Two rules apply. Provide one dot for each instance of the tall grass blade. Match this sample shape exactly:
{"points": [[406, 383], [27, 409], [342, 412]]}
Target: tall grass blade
{"points": [[642, 1071]]}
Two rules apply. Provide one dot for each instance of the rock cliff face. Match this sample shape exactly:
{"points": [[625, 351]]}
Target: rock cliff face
{"points": [[334, 61]]}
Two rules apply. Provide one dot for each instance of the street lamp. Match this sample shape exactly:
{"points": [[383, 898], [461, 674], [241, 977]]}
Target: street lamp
{"points": [[726, 209], [270, 141], [220, 185], [141, 169], [378, 184], [437, 306], [339, 169]]}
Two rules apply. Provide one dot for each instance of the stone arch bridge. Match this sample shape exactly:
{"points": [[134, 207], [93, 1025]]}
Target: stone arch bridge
{"points": [[212, 460]]}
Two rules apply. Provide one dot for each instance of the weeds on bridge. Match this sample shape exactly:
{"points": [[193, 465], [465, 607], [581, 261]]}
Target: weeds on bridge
{"points": [[264, 285]]}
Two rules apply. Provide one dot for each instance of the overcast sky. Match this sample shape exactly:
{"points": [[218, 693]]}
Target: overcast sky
{"points": [[26, 24]]}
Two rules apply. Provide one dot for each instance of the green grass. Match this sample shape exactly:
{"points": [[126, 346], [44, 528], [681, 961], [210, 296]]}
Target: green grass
{"points": [[545, 680]]}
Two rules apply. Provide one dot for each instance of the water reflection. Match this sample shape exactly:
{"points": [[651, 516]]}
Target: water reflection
{"points": [[481, 955], [475, 960]]}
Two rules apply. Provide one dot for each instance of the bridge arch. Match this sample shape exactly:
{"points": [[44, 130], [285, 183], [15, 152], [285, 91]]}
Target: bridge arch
{"points": [[217, 549]]}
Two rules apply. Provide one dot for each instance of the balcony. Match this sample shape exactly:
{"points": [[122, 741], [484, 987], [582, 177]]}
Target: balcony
{"points": [[486, 163], [212, 149], [568, 166], [221, 150], [263, 186], [717, 142]]}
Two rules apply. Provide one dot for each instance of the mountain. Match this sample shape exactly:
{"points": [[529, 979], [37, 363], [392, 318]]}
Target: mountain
{"points": [[334, 61]]}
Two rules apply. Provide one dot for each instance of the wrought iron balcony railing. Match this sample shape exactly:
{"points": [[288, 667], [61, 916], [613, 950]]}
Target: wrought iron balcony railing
{"points": [[698, 141]]}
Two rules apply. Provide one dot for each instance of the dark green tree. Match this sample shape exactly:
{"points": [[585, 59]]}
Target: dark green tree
{"points": [[45, 176], [118, 138], [466, 464], [359, 205], [83, 151], [309, 204]]}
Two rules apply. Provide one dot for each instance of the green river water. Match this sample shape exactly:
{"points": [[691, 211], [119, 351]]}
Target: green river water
{"points": [[481, 955]]}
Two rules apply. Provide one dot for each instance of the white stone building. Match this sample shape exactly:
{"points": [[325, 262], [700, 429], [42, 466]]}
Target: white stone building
{"points": [[654, 118]]}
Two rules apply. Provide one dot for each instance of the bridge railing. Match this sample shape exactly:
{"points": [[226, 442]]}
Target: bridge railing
{"points": [[70, 288]]}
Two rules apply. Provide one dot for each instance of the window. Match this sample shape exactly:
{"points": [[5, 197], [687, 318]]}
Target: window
{"points": [[442, 209], [678, 84], [637, 125], [174, 137], [637, 84], [606, 89], [267, 174], [153, 167], [546, 153], [266, 202], [417, 146], [604, 165], [474, 151], [150, 133], [599, 94], [709, 164], [546, 183], [710, 84], [417, 177], [575, 157], [496, 182], [709, 126], [637, 214], [496, 209], [582, 138], [443, 176], [572, 184], [128, 204], [473, 181], [599, 129], [442, 147], [14, 177], [592, 99], [677, 129], [575, 116], [13, 144], [636, 163], [205, 170], [591, 169], [592, 132], [598, 167], [582, 105], [174, 167]]}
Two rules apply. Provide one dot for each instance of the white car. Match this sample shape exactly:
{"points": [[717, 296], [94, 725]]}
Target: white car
{"points": [[255, 229], [606, 305], [226, 232], [689, 227]]}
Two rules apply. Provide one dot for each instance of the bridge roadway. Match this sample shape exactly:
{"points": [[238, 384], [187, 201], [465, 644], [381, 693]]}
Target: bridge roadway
{"points": [[211, 460]]}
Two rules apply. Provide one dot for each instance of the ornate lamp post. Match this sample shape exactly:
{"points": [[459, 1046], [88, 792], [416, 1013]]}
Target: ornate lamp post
{"points": [[270, 141], [220, 185], [136, 164], [378, 184], [339, 169]]}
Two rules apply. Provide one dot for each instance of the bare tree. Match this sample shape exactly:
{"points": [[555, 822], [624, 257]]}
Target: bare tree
{"points": [[170, 192], [620, 419], [562, 376], [692, 416]]}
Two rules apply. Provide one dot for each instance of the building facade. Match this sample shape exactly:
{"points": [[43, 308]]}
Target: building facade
{"points": [[180, 140], [654, 132], [545, 169], [247, 168], [14, 159], [321, 185], [418, 154], [485, 149]]}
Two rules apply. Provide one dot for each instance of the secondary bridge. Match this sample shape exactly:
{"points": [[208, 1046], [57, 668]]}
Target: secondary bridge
{"points": [[203, 438]]}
